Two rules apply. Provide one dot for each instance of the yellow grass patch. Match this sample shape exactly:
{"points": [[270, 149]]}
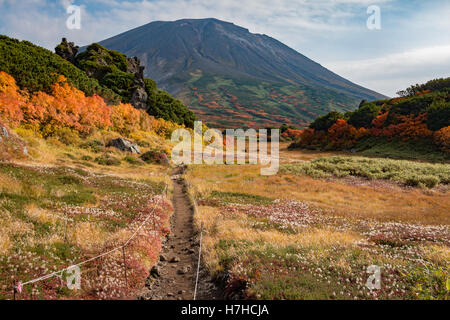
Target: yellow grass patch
{"points": [[9, 184], [5, 243], [41, 215], [219, 227], [87, 236], [438, 254], [389, 203]]}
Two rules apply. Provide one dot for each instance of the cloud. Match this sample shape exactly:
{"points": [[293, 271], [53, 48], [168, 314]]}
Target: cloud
{"points": [[393, 72], [331, 32]]}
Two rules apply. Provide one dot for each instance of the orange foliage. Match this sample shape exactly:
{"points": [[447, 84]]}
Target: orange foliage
{"points": [[310, 137], [292, 133], [68, 107], [11, 100], [124, 118], [442, 138], [342, 134], [378, 124], [409, 127]]}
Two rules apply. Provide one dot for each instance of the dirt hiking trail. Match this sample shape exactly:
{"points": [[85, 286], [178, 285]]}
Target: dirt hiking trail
{"points": [[173, 278]]}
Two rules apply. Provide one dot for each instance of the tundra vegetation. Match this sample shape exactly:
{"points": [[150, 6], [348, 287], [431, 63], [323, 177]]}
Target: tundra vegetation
{"points": [[72, 197], [312, 231], [309, 232], [415, 125]]}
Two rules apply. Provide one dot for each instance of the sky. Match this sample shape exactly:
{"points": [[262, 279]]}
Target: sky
{"points": [[411, 46]]}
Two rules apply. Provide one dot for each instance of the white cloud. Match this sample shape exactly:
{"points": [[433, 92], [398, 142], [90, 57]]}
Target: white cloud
{"points": [[393, 72], [324, 30]]}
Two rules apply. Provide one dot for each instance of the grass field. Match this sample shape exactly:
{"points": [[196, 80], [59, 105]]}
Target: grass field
{"points": [[62, 207], [293, 236], [395, 149], [405, 172]]}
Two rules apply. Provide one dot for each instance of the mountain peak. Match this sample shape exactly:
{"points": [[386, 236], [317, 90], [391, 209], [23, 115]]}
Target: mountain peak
{"points": [[206, 61]]}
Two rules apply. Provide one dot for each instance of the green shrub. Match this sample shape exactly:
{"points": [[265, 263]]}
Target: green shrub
{"points": [[107, 160], [162, 105], [438, 115], [326, 122], [407, 172], [133, 160], [67, 136], [37, 69], [364, 116], [155, 156], [93, 145], [422, 181]]}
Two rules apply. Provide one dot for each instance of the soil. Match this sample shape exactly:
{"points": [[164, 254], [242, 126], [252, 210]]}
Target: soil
{"points": [[174, 277]]}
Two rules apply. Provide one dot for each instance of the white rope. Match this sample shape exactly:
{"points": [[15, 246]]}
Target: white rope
{"points": [[51, 275], [199, 260]]}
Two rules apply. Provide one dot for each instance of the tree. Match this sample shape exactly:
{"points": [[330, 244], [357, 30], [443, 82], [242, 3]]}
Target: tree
{"points": [[438, 114], [363, 117], [325, 122]]}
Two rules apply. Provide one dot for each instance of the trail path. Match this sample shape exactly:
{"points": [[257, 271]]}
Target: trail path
{"points": [[174, 276]]}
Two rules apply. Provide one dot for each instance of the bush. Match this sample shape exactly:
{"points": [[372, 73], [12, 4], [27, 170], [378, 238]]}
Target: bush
{"points": [[406, 172], [438, 115], [162, 105], [133, 160], [93, 145], [363, 117], [325, 122], [107, 160], [422, 181], [37, 69], [155, 156], [67, 136]]}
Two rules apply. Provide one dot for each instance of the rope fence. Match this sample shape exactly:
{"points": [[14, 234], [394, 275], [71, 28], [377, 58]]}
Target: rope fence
{"points": [[18, 286]]}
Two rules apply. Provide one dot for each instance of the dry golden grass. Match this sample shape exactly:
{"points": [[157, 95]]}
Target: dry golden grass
{"points": [[438, 254], [8, 184], [41, 215], [5, 243], [302, 155], [234, 239], [51, 152], [87, 236], [220, 227], [383, 203], [10, 227]]}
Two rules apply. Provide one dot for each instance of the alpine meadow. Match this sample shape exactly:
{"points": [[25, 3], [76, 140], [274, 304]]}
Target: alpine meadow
{"points": [[235, 158]]}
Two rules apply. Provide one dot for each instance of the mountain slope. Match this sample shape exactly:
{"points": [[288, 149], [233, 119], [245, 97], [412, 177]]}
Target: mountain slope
{"points": [[224, 72]]}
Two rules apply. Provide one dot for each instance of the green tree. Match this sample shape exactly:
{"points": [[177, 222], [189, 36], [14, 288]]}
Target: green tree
{"points": [[325, 122]]}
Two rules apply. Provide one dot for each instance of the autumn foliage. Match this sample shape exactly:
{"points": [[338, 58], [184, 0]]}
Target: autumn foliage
{"points": [[292, 134], [442, 138], [423, 116], [68, 107], [344, 135]]}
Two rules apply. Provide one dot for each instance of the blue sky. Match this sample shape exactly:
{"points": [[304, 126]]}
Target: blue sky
{"points": [[412, 46]]}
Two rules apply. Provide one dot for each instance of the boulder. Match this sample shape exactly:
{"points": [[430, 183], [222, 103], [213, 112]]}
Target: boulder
{"points": [[11, 146], [155, 272], [124, 145], [139, 98], [4, 132]]}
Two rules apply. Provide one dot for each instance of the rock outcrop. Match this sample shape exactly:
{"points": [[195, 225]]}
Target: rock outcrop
{"points": [[11, 146], [107, 66], [67, 50], [124, 145]]}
